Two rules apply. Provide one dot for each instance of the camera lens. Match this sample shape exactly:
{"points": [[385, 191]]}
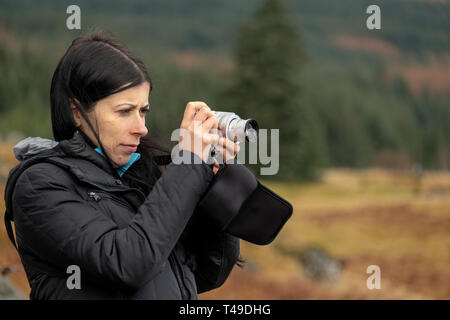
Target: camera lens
{"points": [[251, 130]]}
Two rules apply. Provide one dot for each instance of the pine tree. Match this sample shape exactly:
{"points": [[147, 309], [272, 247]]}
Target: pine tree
{"points": [[269, 57]]}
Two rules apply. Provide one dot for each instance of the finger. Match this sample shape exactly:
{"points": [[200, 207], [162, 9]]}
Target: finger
{"points": [[192, 108], [202, 115], [217, 136], [211, 122], [209, 138], [203, 104], [216, 166], [232, 151], [229, 149], [228, 144]]}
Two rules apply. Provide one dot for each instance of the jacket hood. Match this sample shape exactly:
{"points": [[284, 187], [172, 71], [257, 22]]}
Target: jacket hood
{"points": [[77, 155], [32, 146], [79, 146], [71, 154]]}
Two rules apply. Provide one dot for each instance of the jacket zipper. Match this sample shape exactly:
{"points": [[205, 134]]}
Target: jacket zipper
{"points": [[179, 275], [176, 267], [97, 196]]}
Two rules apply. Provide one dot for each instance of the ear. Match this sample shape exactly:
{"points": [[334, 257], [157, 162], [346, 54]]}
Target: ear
{"points": [[76, 113]]}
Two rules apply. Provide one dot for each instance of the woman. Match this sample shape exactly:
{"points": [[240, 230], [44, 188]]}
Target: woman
{"points": [[95, 201]]}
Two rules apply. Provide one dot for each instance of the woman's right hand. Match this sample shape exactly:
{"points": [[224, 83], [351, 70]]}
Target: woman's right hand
{"points": [[195, 135]]}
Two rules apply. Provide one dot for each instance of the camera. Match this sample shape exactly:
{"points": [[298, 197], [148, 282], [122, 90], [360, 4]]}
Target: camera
{"points": [[236, 129]]}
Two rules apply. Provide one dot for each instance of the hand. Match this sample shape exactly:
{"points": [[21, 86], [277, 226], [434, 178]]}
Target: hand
{"points": [[195, 135], [228, 149]]}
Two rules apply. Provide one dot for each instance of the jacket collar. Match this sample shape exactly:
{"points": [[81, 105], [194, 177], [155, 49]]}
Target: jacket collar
{"points": [[77, 156], [80, 146]]}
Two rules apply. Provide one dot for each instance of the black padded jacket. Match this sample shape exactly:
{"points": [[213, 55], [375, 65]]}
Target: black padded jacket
{"points": [[70, 210]]}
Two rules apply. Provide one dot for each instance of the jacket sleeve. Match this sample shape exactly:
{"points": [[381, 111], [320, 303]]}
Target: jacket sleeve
{"points": [[57, 224]]}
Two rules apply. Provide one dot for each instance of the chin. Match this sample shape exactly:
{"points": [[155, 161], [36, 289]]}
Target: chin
{"points": [[118, 162], [123, 160]]}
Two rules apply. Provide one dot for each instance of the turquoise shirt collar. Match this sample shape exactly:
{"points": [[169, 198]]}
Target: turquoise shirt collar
{"points": [[134, 157]]}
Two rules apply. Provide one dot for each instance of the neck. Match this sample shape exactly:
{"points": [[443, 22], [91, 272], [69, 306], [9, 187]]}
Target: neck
{"points": [[87, 139], [121, 170]]}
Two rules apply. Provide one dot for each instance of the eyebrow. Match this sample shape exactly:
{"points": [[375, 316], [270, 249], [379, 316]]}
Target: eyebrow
{"points": [[130, 104]]}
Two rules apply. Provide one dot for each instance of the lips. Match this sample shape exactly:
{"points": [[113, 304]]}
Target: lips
{"points": [[130, 147]]}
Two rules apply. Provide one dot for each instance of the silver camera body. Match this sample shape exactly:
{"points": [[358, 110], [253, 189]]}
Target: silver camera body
{"points": [[236, 129]]}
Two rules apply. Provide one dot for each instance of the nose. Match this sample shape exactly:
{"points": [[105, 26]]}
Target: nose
{"points": [[139, 127]]}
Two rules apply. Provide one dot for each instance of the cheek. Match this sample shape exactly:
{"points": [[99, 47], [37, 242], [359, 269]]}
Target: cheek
{"points": [[113, 143], [114, 139], [111, 131]]}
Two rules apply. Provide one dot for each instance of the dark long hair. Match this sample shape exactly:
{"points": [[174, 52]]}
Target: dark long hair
{"points": [[95, 66]]}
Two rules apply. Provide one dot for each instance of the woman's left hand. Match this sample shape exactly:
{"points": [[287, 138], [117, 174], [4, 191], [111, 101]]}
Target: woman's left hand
{"points": [[228, 149]]}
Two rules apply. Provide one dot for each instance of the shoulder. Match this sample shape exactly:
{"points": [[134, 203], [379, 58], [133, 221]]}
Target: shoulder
{"points": [[43, 174], [39, 190], [46, 169]]}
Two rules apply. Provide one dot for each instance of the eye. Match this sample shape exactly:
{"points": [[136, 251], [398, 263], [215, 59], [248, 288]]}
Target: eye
{"points": [[145, 110], [124, 112]]}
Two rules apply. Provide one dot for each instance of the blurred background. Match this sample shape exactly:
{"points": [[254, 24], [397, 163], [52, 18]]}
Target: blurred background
{"points": [[364, 119]]}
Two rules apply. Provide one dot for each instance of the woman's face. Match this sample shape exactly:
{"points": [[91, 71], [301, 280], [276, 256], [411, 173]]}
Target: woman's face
{"points": [[120, 121]]}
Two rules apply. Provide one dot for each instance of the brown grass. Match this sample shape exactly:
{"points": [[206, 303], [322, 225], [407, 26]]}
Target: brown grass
{"points": [[431, 1], [360, 217], [433, 76], [371, 45], [196, 60], [9, 39]]}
